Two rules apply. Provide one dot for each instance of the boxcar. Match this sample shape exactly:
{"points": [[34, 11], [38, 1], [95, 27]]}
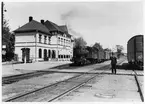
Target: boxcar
{"points": [[100, 56], [135, 50], [107, 55], [92, 56]]}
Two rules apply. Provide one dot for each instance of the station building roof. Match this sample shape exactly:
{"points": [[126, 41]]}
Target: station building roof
{"points": [[33, 26], [65, 30], [44, 27], [52, 26]]}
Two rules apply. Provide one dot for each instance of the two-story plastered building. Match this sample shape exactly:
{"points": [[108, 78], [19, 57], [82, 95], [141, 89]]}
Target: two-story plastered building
{"points": [[42, 41]]}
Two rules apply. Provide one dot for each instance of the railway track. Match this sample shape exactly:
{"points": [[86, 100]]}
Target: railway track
{"points": [[53, 91], [15, 78], [56, 90]]}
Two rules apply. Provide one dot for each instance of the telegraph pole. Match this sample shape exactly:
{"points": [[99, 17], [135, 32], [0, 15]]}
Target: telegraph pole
{"points": [[2, 24], [2, 20]]}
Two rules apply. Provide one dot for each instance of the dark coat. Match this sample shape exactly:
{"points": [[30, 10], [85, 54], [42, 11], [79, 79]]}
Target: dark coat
{"points": [[113, 60]]}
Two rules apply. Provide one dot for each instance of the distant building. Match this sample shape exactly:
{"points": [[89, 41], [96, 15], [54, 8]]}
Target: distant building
{"points": [[42, 41]]}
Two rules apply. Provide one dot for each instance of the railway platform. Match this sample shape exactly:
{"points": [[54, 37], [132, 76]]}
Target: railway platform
{"points": [[24, 68], [109, 88]]}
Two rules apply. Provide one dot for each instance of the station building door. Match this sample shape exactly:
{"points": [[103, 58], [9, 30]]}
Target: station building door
{"points": [[45, 55], [25, 55]]}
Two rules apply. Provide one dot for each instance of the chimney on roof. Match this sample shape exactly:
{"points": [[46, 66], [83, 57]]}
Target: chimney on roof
{"points": [[42, 21], [30, 18]]}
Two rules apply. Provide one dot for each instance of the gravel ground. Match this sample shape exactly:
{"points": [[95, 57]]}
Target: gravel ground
{"points": [[31, 84], [110, 88]]}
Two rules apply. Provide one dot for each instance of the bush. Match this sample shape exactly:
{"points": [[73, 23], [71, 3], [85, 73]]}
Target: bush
{"points": [[9, 56]]}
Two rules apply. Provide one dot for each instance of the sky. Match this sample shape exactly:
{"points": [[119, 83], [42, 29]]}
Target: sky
{"points": [[108, 23]]}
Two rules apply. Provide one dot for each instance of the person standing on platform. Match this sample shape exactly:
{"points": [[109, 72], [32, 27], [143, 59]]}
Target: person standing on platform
{"points": [[113, 63]]}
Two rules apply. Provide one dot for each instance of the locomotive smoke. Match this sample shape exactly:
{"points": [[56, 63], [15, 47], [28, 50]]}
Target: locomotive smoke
{"points": [[67, 17]]}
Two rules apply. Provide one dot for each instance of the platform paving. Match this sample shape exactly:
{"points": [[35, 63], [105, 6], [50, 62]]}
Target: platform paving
{"points": [[15, 69], [110, 88]]}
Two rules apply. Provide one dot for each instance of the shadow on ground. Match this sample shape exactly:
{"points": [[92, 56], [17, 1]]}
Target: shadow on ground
{"points": [[127, 66], [64, 66], [69, 66]]}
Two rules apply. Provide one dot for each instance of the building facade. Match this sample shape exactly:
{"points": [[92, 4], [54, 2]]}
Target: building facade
{"points": [[43, 41]]}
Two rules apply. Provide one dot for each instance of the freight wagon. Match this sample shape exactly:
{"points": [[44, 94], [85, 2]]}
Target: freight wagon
{"points": [[135, 51], [100, 56], [107, 55], [92, 56]]}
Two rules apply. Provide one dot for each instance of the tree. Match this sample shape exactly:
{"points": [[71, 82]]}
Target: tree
{"points": [[107, 49], [79, 47], [79, 42], [8, 38], [119, 49], [97, 46]]}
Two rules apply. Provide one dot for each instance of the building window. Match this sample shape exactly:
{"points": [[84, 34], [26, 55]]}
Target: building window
{"points": [[61, 56], [40, 53], [64, 41], [49, 40], [61, 41], [45, 39], [58, 40], [40, 38], [53, 53], [49, 53], [45, 54], [67, 42]]}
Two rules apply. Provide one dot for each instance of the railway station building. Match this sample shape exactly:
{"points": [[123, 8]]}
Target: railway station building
{"points": [[43, 41]]}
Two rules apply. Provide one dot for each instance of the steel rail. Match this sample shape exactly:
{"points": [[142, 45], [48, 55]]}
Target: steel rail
{"points": [[77, 86], [30, 92], [21, 95], [73, 88], [82, 84], [138, 85], [15, 78]]}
